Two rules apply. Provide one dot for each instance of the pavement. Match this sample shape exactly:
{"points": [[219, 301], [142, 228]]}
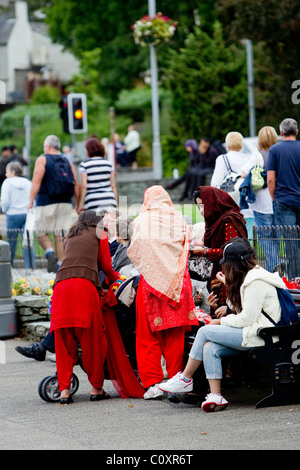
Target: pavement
{"points": [[152, 429]]}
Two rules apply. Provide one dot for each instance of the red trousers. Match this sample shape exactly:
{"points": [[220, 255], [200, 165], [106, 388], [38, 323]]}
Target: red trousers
{"points": [[150, 346], [94, 347]]}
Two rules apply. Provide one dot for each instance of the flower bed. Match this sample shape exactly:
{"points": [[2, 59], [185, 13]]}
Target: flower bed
{"points": [[33, 283]]}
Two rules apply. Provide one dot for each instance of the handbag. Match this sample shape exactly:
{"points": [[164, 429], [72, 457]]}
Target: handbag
{"points": [[201, 266], [232, 181], [257, 179]]}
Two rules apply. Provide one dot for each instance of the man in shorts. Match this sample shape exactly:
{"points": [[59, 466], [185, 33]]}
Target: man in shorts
{"points": [[51, 215]]}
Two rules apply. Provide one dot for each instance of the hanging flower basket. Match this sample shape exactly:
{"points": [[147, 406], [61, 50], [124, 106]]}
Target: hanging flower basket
{"points": [[155, 30]]}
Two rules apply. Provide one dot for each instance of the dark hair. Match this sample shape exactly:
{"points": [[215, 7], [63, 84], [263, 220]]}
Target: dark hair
{"points": [[94, 148], [235, 273], [85, 220], [196, 194]]}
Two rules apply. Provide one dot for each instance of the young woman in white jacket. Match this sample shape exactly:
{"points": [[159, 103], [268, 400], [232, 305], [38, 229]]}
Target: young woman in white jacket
{"points": [[250, 289]]}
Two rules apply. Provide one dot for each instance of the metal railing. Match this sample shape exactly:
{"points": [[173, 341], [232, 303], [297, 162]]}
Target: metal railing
{"points": [[25, 248], [277, 248]]}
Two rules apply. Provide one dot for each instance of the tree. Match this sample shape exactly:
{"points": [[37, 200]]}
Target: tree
{"points": [[274, 28], [84, 26], [209, 86]]}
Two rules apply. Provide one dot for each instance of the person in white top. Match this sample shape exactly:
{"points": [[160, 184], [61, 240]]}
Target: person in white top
{"points": [[132, 144], [250, 289], [262, 207], [237, 161]]}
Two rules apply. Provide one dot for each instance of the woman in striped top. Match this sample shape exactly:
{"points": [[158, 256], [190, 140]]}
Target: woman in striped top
{"points": [[98, 188]]}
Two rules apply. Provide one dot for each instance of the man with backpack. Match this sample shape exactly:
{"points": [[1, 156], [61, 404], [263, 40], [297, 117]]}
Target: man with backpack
{"points": [[54, 183]]}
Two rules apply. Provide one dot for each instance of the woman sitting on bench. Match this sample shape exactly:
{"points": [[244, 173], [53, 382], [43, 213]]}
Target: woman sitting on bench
{"points": [[250, 288]]}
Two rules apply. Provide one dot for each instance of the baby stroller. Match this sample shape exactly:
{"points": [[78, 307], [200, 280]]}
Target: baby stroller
{"points": [[48, 389]]}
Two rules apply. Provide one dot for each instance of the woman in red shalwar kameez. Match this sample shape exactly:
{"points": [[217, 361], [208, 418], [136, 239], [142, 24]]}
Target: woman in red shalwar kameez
{"points": [[165, 308], [76, 314]]}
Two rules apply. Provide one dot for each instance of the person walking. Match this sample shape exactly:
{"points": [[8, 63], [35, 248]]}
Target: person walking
{"points": [[262, 206], [283, 178], [159, 250], [98, 188], [132, 143], [237, 160], [15, 197], [53, 211]]}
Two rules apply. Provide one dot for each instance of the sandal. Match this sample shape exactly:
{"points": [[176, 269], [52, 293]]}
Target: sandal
{"points": [[103, 396]]}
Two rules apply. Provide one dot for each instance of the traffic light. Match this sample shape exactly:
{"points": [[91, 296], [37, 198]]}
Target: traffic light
{"points": [[63, 104], [77, 113]]}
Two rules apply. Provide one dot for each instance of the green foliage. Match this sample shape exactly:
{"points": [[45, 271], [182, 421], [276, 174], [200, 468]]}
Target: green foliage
{"points": [[209, 87], [45, 94]]}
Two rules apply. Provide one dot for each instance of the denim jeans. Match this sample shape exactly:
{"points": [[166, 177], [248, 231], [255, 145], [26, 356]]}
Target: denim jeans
{"points": [[15, 225], [221, 341], [288, 217], [271, 246]]}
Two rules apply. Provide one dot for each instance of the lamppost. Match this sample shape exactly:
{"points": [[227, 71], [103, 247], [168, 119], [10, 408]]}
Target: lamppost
{"points": [[156, 146]]}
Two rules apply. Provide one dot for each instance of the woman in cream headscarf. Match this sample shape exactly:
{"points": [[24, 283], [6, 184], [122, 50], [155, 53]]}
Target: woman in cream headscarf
{"points": [[159, 250]]}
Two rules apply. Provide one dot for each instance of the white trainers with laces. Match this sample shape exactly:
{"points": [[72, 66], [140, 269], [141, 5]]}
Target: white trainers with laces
{"points": [[176, 384], [214, 402], [153, 393]]}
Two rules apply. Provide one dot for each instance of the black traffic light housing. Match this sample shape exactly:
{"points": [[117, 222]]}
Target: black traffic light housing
{"points": [[77, 113], [63, 104]]}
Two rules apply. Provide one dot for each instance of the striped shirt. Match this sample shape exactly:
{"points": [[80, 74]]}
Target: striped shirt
{"points": [[99, 192]]}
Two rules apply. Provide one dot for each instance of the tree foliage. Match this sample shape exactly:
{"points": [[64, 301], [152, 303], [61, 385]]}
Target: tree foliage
{"points": [[274, 28], [84, 26], [209, 87]]}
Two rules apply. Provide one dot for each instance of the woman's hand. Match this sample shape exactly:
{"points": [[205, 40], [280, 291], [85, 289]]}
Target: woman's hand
{"points": [[221, 311], [212, 300], [221, 277], [215, 321], [199, 250]]}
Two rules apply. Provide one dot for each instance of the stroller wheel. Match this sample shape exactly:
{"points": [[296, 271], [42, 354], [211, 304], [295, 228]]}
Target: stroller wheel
{"points": [[74, 384], [49, 390], [40, 388]]}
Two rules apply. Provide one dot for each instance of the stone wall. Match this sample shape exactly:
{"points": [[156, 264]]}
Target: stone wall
{"points": [[33, 317]]}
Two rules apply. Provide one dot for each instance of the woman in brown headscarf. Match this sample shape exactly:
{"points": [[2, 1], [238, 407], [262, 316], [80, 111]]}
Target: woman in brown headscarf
{"points": [[223, 221]]}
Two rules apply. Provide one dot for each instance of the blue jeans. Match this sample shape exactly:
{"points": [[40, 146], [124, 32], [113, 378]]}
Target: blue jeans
{"points": [[288, 217], [15, 225], [213, 342], [272, 245]]}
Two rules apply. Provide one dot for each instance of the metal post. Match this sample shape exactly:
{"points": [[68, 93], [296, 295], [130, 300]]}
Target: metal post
{"points": [[156, 146], [251, 99], [27, 149]]}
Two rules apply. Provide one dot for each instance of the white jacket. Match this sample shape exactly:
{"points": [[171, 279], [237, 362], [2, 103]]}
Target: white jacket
{"points": [[258, 292], [15, 195]]}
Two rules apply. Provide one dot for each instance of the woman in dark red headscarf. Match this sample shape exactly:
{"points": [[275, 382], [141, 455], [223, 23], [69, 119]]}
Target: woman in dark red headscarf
{"points": [[223, 221]]}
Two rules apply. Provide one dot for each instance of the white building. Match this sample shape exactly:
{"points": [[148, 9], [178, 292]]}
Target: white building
{"points": [[27, 55]]}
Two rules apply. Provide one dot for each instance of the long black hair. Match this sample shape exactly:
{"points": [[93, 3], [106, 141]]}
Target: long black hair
{"points": [[85, 220]]}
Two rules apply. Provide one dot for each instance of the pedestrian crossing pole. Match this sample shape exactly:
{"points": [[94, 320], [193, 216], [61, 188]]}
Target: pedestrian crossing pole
{"points": [[156, 146]]}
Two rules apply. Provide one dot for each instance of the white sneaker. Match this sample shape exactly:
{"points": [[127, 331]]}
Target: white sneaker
{"points": [[214, 402], [176, 384], [153, 393]]}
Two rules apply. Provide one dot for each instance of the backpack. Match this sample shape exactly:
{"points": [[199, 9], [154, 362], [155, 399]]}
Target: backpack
{"points": [[232, 181], [61, 182], [289, 313]]}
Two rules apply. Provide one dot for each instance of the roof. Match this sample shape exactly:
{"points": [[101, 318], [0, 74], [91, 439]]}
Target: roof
{"points": [[6, 27]]}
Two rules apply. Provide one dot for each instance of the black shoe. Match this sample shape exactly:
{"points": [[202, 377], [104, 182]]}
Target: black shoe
{"points": [[52, 263], [35, 351], [66, 401]]}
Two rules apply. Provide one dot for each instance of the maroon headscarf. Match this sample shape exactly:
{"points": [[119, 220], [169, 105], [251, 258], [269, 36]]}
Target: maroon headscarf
{"points": [[219, 209]]}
